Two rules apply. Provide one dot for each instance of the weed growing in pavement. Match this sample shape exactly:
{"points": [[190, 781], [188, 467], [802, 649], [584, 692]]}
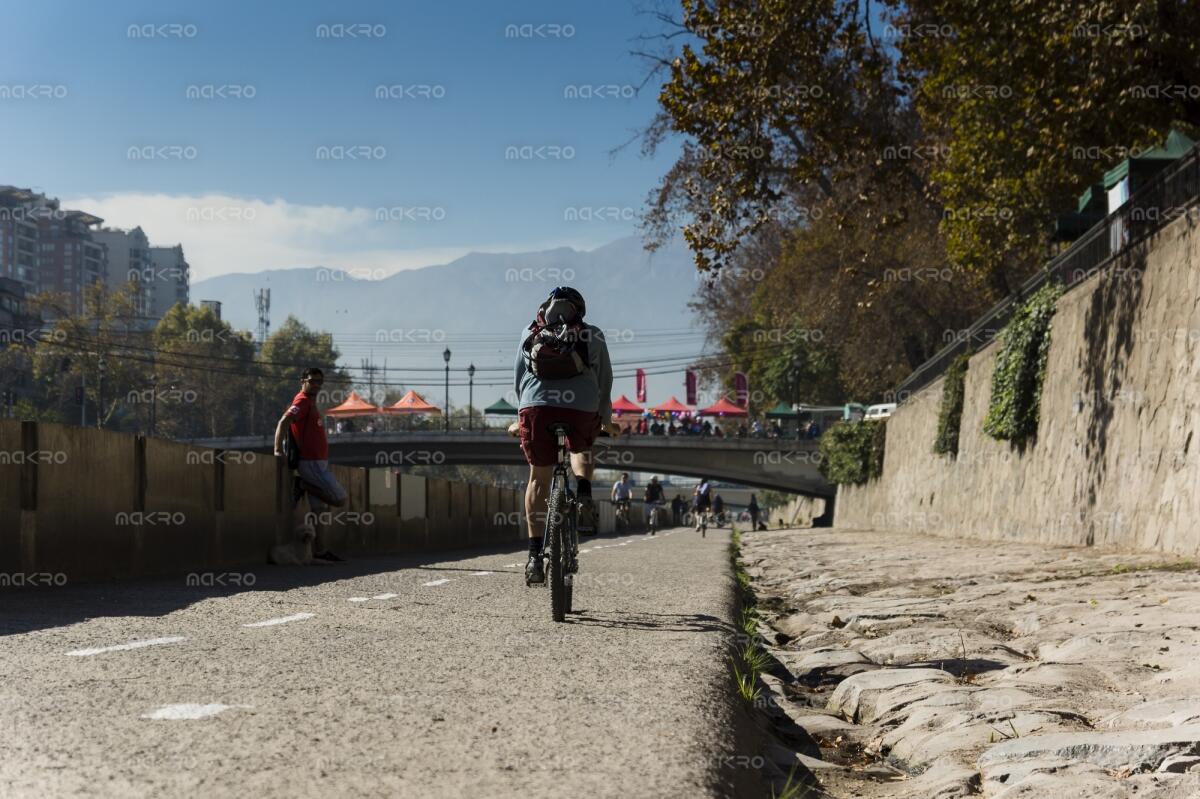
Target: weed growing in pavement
{"points": [[792, 789], [1003, 735], [747, 684], [749, 660]]}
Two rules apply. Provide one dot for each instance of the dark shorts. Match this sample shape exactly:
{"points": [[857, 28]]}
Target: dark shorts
{"points": [[539, 444]]}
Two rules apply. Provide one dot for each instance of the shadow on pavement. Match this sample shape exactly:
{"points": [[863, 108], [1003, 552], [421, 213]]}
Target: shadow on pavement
{"points": [[28, 609]]}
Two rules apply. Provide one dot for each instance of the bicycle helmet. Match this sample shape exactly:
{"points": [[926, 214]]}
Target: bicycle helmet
{"points": [[552, 306]]}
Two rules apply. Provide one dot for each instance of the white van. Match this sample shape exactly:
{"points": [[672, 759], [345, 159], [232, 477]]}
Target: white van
{"points": [[882, 411]]}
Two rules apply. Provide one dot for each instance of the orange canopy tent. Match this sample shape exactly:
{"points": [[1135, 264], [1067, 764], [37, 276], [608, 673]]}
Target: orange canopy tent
{"points": [[672, 406], [623, 404], [723, 407], [353, 406], [412, 403]]}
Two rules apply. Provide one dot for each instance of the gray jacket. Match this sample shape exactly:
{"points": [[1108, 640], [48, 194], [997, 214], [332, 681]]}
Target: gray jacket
{"points": [[590, 391]]}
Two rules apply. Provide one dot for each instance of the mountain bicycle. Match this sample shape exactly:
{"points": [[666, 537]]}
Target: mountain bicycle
{"points": [[702, 520], [561, 544], [621, 508], [654, 512]]}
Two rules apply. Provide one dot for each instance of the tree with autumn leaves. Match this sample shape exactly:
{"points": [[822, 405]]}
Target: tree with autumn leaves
{"points": [[884, 172]]}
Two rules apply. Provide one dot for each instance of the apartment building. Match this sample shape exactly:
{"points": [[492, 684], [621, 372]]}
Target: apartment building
{"points": [[69, 258], [129, 262], [19, 212], [170, 277]]}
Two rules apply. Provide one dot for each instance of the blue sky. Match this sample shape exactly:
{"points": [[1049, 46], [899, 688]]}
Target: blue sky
{"points": [[238, 180]]}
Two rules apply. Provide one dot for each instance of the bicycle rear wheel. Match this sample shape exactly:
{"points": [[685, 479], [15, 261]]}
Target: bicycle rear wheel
{"points": [[556, 547]]}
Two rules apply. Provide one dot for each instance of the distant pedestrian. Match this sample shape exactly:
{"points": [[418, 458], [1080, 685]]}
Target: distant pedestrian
{"points": [[677, 510], [302, 420], [753, 508]]}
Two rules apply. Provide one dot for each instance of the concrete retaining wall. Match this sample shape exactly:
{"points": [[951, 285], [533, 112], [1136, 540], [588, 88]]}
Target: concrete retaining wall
{"points": [[82, 504], [1117, 460]]}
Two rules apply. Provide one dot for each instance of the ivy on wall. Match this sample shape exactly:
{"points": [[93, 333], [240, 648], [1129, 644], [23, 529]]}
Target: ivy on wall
{"points": [[950, 412], [1020, 369], [852, 452]]}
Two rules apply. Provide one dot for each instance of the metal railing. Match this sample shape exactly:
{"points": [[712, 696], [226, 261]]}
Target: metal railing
{"points": [[1170, 194]]}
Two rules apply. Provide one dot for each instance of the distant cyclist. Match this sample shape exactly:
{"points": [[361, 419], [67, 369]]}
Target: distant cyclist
{"points": [[654, 499], [563, 374], [718, 507], [701, 499], [622, 493]]}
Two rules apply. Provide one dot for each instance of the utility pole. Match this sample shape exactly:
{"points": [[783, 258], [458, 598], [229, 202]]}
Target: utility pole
{"points": [[100, 394]]}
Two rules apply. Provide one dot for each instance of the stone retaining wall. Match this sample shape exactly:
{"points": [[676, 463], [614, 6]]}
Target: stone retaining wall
{"points": [[1116, 462]]}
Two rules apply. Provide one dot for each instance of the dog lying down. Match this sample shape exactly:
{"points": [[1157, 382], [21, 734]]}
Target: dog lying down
{"points": [[298, 551]]}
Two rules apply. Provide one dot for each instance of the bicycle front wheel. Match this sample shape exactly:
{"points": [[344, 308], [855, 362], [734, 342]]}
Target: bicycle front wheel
{"points": [[556, 547]]}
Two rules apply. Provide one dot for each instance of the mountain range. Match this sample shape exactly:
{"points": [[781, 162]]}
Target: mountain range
{"points": [[478, 304]]}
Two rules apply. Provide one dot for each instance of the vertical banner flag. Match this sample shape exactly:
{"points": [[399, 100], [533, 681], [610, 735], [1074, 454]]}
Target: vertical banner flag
{"points": [[689, 382], [641, 385], [741, 388]]}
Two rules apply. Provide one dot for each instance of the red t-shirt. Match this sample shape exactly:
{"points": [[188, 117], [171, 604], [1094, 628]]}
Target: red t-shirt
{"points": [[307, 428]]}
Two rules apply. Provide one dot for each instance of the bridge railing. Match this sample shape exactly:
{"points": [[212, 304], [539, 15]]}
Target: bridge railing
{"points": [[1171, 193]]}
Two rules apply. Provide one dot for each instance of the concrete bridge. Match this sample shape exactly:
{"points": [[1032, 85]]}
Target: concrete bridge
{"points": [[770, 463]]}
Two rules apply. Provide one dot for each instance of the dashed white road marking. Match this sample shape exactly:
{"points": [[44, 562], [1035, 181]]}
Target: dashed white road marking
{"points": [[281, 620], [436, 582], [189, 711], [173, 639], [357, 599], [479, 574], [385, 596]]}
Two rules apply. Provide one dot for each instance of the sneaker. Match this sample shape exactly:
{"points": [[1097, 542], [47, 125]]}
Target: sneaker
{"points": [[587, 516], [329, 556], [535, 572]]}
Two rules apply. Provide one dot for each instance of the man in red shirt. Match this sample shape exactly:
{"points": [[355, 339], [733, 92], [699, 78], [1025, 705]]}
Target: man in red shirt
{"points": [[304, 422]]}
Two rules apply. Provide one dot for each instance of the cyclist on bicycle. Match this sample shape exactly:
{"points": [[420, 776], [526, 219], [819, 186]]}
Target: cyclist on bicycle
{"points": [[701, 499], [622, 494], [654, 500], [563, 375]]}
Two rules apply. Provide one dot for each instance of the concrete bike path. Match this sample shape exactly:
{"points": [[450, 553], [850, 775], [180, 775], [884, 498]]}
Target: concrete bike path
{"points": [[436, 676]]}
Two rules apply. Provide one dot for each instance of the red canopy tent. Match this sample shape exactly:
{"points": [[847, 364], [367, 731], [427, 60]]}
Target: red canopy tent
{"points": [[412, 403], [723, 407], [671, 406], [623, 405], [353, 406]]}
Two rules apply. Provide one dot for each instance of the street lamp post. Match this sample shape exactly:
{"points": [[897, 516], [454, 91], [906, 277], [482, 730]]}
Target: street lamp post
{"points": [[471, 397], [446, 358], [796, 364]]}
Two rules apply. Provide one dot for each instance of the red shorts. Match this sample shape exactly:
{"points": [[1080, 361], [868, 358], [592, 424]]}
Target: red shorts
{"points": [[539, 444]]}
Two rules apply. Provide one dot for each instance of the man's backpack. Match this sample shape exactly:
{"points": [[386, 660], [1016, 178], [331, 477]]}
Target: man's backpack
{"points": [[556, 352], [291, 449]]}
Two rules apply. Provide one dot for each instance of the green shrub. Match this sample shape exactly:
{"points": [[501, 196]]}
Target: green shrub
{"points": [[852, 452], [950, 412], [1020, 368]]}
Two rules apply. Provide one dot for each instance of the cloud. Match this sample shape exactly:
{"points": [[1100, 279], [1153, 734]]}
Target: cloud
{"points": [[221, 234]]}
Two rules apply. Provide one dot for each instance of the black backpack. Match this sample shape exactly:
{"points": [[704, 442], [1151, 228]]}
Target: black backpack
{"points": [[557, 353], [291, 449]]}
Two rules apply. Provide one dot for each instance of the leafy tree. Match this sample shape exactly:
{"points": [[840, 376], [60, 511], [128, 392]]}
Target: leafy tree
{"points": [[204, 377], [778, 96], [103, 349], [1033, 100], [285, 355]]}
